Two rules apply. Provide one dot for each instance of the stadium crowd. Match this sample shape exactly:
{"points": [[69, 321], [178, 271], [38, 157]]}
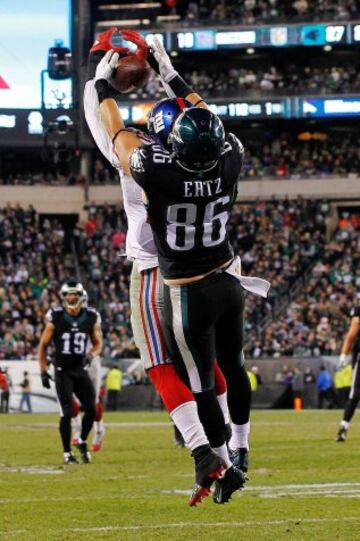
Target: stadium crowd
{"points": [[220, 82], [264, 11]]}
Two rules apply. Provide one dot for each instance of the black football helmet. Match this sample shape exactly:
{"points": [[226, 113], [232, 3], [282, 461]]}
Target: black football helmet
{"points": [[198, 138]]}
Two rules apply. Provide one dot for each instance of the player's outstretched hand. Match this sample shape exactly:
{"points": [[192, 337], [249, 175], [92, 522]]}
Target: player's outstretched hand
{"points": [[103, 42], [166, 69], [45, 379], [138, 40], [106, 66]]}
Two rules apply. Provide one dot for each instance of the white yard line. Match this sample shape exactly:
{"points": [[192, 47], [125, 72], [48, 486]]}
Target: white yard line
{"points": [[202, 525]]}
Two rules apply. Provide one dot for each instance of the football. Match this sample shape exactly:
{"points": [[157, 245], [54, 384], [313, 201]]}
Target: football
{"points": [[131, 73]]}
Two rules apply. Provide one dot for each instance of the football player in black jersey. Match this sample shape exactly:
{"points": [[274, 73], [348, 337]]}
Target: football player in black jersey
{"points": [[350, 351], [70, 327], [190, 192]]}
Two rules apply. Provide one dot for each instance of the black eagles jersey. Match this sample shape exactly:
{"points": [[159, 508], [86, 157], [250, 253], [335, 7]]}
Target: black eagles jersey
{"points": [[71, 335], [188, 210]]}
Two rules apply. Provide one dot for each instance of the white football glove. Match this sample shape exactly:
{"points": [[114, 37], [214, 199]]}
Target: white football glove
{"points": [[344, 359], [167, 70], [106, 66]]}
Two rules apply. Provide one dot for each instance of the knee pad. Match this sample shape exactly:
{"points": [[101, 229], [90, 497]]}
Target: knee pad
{"points": [[99, 412], [171, 388]]}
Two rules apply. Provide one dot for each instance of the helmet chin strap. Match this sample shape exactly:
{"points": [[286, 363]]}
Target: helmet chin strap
{"points": [[77, 304]]}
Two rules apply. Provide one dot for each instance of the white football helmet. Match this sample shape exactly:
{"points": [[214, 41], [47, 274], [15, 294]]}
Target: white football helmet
{"points": [[72, 288]]}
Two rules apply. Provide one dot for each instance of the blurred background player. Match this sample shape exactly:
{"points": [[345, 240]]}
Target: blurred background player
{"points": [[351, 351], [70, 327], [94, 371]]}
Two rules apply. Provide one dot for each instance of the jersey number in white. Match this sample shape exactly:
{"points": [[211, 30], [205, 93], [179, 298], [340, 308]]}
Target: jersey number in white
{"points": [[181, 218], [78, 342]]}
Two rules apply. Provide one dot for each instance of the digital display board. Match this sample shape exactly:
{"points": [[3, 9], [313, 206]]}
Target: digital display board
{"points": [[28, 28], [328, 107], [295, 35]]}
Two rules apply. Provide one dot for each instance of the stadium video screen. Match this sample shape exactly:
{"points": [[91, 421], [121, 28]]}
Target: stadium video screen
{"points": [[28, 28]]}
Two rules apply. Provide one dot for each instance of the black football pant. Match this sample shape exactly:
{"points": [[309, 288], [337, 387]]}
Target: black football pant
{"points": [[67, 383], [204, 322], [354, 395]]}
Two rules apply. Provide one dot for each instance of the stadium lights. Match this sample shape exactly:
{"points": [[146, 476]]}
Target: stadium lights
{"points": [[174, 53], [327, 48], [250, 50]]}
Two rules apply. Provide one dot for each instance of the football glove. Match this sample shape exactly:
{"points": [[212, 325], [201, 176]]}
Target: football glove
{"points": [[103, 42], [166, 69], [106, 66], [45, 379], [135, 37], [344, 359]]}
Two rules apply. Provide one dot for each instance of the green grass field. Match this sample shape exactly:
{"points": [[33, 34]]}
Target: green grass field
{"points": [[303, 485]]}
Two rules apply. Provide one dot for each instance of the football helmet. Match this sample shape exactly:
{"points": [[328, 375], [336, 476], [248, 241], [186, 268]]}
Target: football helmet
{"points": [[72, 287], [162, 117], [197, 138]]}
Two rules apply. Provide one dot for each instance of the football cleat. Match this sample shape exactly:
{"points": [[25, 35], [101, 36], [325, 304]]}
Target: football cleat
{"points": [[69, 458], [233, 480], [85, 455], [342, 433], [96, 447], [240, 458], [208, 468]]}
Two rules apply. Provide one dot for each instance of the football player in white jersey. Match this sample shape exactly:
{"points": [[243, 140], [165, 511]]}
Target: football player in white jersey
{"points": [[146, 290]]}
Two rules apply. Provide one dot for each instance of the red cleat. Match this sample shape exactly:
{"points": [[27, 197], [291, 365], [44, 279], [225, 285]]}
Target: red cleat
{"points": [[96, 447]]}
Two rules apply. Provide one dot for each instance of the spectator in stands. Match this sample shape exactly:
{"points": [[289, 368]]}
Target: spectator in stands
{"points": [[325, 388], [113, 387], [25, 393], [4, 391]]}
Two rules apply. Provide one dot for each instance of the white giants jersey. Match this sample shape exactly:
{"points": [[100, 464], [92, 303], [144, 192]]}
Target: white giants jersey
{"points": [[139, 239]]}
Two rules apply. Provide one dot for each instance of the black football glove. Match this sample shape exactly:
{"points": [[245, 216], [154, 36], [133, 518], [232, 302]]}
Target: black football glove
{"points": [[45, 379]]}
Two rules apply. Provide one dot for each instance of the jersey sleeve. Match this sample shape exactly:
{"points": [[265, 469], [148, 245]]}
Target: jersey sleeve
{"points": [[355, 312], [49, 316], [233, 158], [140, 165], [98, 319]]}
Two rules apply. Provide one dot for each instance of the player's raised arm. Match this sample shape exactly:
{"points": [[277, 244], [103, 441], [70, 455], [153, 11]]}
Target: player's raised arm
{"points": [[173, 83]]}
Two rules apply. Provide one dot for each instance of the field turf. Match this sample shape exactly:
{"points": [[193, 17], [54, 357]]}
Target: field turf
{"points": [[303, 485]]}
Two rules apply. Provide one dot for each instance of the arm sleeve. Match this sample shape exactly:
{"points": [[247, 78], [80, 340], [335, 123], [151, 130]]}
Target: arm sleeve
{"points": [[93, 119], [49, 316]]}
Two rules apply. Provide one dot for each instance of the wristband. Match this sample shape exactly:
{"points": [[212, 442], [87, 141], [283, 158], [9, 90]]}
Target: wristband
{"points": [[179, 87], [103, 89]]}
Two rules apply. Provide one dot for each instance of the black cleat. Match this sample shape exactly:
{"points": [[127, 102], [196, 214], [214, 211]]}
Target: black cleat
{"points": [[85, 455], [341, 435], [233, 480], [208, 468], [69, 458], [240, 458]]}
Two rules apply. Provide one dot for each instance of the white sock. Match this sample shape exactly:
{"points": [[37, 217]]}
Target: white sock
{"points": [[76, 422], [222, 399], [240, 436], [223, 453], [345, 424], [99, 431], [186, 418]]}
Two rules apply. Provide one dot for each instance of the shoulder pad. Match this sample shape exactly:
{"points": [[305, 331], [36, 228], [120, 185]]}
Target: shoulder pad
{"points": [[91, 309], [58, 309], [234, 143]]}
